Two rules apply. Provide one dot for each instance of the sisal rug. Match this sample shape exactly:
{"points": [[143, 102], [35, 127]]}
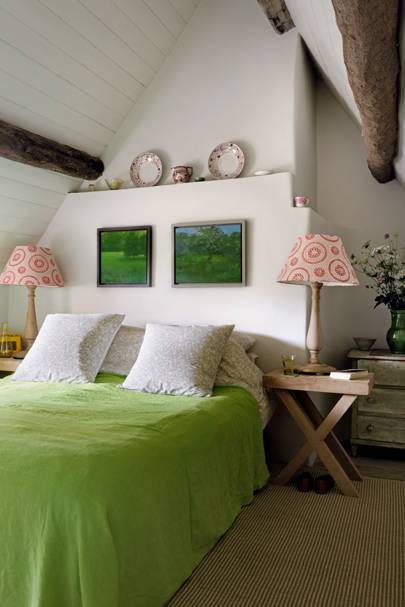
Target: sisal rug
{"points": [[290, 549]]}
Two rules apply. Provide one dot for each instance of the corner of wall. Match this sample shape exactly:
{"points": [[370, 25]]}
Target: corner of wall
{"points": [[305, 140], [358, 208], [211, 89]]}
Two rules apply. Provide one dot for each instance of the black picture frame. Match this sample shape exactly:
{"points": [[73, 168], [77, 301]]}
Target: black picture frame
{"points": [[102, 269], [220, 277]]}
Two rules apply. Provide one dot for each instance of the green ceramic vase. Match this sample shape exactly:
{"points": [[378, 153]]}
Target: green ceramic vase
{"points": [[396, 333]]}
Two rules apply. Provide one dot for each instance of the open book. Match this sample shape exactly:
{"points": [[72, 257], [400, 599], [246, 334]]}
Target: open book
{"points": [[349, 374]]}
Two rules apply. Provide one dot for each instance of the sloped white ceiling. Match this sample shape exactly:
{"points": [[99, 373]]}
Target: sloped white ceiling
{"points": [[71, 70], [316, 22], [29, 198]]}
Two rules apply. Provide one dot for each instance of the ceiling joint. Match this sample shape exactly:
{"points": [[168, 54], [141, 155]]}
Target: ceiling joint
{"points": [[278, 15]]}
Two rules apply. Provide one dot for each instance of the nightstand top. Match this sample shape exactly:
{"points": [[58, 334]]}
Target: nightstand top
{"points": [[276, 380], [9, 365], [375, 355]]}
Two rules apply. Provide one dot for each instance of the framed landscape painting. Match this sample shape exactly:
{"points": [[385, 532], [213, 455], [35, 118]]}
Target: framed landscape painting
{"points": [[124, 257], [209, 254]]}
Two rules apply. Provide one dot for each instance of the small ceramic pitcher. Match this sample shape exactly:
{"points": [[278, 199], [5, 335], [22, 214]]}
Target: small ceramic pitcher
{"points": [[181, 174]]}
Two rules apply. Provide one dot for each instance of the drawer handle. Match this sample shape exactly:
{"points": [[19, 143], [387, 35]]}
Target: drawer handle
{"points": [[371, 399], [370, 428]]}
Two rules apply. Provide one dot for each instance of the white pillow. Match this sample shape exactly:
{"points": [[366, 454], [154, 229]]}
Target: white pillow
{"points": [[123, 351], [126, 346], [178, 360], [69, 348]]}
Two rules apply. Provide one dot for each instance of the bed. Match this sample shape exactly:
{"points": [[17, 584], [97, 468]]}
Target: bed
{"points": [[110, 498]]}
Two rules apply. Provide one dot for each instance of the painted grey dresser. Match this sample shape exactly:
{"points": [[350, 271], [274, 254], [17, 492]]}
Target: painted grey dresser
{"points": [[379, 419]]}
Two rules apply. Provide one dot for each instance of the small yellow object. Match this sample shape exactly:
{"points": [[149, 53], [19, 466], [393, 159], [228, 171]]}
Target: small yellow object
{"points": [[288, 364], [5, 350], [9, 344], [114, 184], [15, 343]]}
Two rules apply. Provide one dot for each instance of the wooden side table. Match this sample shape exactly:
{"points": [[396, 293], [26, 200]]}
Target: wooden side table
{"points": [[293, 393], [9, 365]]}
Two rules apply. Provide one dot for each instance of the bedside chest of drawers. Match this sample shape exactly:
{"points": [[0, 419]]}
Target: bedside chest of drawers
{"points": [[379, 419]]}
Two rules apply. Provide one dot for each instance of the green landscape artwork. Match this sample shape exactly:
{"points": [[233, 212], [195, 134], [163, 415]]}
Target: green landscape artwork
{"points": [[124, 256], [208, 254]]}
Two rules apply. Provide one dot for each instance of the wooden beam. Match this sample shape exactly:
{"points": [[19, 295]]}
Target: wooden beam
{"points": [[370, 47], [278, 15], [29, 148]]}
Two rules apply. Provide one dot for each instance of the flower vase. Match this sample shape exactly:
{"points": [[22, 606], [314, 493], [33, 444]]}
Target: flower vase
{"points": [[396, 333]]}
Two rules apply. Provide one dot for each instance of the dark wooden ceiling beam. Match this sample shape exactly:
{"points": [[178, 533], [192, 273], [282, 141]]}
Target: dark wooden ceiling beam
{"points": [[370, 46], [29, 148], [278, 15]]}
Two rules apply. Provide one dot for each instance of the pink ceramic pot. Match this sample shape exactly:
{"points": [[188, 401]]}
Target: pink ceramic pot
{"points": [[181, 174], [301, 201]]}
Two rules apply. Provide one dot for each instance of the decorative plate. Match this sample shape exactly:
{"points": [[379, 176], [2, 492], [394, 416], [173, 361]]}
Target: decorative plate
{"points": [[146, 170], [226, 161]]}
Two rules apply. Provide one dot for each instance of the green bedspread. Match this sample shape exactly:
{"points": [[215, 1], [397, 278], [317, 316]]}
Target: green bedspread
{"points": [[110, 498]]}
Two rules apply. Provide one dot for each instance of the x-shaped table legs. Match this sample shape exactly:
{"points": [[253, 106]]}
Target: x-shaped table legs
{"points": [[320, 438]]}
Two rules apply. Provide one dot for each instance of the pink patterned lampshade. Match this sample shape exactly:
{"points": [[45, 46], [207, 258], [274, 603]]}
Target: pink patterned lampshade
{"points": [[31, 266], [318, 258]]}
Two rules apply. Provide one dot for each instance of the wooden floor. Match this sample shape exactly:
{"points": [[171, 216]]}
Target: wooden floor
{"points": [[380, 468], [372, 463]]}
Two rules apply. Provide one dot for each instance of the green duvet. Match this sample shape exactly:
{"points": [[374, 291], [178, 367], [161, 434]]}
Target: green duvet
{"points": [[110, 498]]}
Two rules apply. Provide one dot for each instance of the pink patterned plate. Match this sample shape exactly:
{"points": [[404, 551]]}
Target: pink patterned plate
{"points": [[146, 170], [226, 161]]}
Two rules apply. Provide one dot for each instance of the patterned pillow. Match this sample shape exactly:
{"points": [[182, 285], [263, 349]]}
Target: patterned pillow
{"points": [[237, 369], [246, 340], [178, 360], [126, 345], [253, 357], [69, 348], [123, 351]]}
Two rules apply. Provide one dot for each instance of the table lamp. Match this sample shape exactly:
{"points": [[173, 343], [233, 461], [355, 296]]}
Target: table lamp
{"points": [[31, 266], [317, 260]]}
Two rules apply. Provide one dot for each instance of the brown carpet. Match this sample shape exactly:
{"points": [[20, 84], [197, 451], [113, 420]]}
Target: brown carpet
{"points": [[290, 549]]}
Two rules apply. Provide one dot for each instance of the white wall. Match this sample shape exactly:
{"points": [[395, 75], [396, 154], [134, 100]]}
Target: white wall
{"points": [[230, 77], [276, 312], [4, 299], [348, 196], [347, 193], [304, 126]]}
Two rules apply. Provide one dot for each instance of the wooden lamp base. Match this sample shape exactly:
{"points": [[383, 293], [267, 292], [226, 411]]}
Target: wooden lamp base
{"points": [[314, 337], [315, 369], [31, 327]]}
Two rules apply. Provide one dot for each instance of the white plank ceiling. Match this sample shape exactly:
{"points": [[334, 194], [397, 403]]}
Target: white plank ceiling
{"points": [[71, 70]]}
